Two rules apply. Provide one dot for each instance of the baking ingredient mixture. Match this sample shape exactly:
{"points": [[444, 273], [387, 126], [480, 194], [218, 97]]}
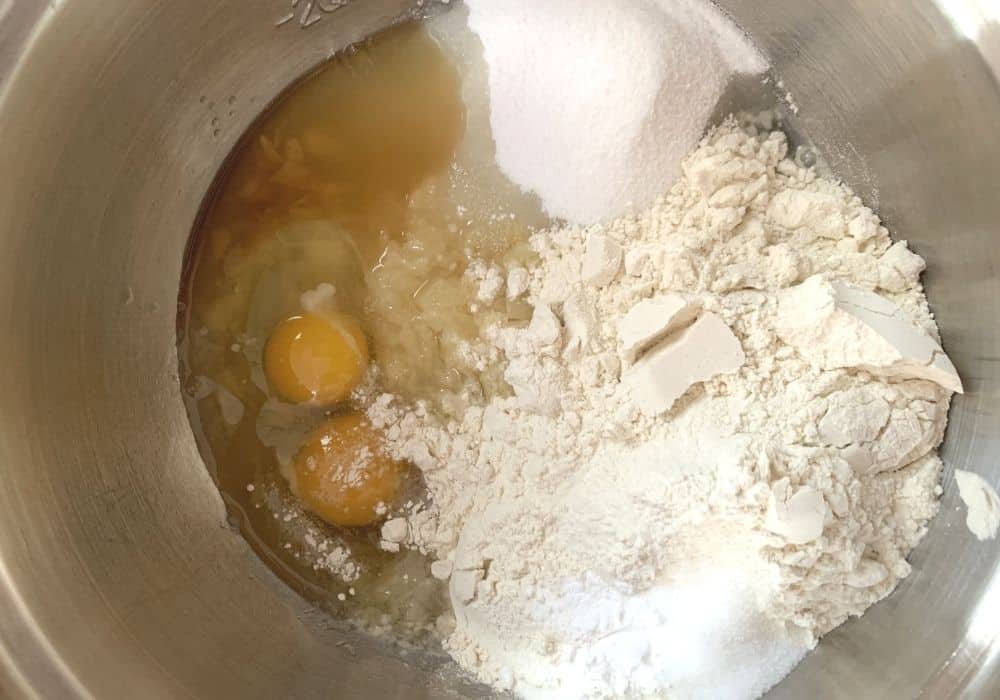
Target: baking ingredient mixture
{"points": [[537, 371]]}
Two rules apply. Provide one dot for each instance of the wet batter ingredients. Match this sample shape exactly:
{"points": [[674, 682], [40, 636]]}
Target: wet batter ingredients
{"points": [[332, 255]]}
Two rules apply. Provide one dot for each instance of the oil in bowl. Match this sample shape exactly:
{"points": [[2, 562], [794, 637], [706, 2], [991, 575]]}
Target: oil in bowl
{"points": [[329, 264]]}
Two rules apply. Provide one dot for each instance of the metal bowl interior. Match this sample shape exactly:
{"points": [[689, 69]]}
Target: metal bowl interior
{"points": [[118, 575]]}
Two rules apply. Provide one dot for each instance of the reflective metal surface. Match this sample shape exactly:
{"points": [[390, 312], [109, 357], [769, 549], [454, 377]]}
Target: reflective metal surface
{"points": [[118, 575]]}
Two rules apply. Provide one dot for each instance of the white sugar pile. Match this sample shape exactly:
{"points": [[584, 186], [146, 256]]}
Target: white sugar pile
{"points": [[595, 103]]}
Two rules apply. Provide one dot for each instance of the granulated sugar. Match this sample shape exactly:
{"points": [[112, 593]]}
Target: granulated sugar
{"points": [[595, 103]]}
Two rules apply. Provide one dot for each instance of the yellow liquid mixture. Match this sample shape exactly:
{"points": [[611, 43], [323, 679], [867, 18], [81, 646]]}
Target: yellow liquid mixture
{"points": [[336, 239]]}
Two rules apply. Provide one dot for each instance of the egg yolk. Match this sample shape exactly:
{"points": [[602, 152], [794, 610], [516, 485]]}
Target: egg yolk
{"points": [[342, 473], [315, 359]]}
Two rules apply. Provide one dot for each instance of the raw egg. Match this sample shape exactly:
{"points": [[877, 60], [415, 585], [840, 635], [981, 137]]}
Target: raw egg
{"points": [[343, 475], [313, 358]]}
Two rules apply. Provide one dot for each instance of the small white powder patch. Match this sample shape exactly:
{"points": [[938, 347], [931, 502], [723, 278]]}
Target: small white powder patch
{"points": [[319, 300], [982, 502]]}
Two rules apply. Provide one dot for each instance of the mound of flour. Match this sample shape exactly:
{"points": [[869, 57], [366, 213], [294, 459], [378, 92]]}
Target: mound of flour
{"points": [[593, 104], [694, 533]]}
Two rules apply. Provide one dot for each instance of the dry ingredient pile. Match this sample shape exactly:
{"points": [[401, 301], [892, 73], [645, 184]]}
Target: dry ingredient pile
{"points": [[719, 446]]}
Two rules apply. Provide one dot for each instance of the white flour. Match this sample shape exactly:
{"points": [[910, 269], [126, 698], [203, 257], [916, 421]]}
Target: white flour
{"points": [[695, 537], [982, 503], [593, 103]]}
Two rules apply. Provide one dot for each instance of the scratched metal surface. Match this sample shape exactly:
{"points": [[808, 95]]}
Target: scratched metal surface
{"points": [[118, 576]]}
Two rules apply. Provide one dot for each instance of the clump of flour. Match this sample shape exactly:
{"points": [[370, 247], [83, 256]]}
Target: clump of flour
{"points": [[593, 104], [696, 537], [982, 503]]}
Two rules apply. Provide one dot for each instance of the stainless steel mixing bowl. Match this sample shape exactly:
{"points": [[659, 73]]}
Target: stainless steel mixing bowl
{"points": [[118, 575]]}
